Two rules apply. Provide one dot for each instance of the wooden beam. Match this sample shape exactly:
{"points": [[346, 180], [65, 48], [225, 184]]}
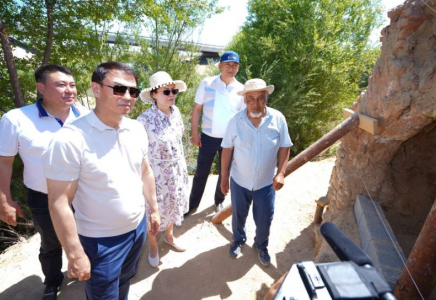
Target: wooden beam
{"points": [[323, 143], [316, 148], [421, 264], [366, 123]]}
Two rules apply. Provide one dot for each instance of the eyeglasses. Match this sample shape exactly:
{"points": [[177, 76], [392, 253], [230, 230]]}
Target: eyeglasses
{"points": [[167, 92], [120, 90]]}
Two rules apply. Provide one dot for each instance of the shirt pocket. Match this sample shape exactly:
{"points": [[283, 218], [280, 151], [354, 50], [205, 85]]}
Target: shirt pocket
{"points": [[272, 140]]}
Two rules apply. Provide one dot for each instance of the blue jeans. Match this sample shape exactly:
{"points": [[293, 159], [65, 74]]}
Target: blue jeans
{"points": [[114, 261], [50, 252], [206, 154], [263, 212]]}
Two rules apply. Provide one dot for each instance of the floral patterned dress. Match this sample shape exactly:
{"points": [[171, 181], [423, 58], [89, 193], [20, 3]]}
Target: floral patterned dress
{"points": [[168, 163]]}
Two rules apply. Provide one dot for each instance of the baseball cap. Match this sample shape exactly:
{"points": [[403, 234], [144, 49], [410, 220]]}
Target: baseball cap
{"points": [[230, 56]]}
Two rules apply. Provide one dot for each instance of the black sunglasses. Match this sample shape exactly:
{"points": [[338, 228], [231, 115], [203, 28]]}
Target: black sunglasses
{"points": [[120, 90], [167, 92]]}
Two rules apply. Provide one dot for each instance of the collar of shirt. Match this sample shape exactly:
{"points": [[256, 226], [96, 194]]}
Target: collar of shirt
{"points": [[43, 113], [224, 85], [160, 113], [95, 122], [264, 119]]}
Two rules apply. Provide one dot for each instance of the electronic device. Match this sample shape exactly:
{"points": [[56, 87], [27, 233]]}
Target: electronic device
{"points": [[352, 278]]}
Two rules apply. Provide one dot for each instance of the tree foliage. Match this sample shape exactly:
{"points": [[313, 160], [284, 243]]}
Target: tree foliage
{"points": [[76, 33], [315, 52]]}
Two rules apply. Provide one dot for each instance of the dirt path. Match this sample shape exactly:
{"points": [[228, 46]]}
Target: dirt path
{"points": [[205, 270]]}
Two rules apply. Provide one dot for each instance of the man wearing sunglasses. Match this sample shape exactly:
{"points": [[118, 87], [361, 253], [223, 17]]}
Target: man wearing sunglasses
{"points": [[217, 98], [99, 165], [28, 131]]}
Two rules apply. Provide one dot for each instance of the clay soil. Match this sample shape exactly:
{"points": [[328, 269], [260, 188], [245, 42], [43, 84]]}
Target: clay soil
{"points": [[205, 270]]}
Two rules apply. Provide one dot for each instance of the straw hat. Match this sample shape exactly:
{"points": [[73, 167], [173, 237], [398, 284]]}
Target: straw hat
{"points": [[254, 85], [158, 80]]}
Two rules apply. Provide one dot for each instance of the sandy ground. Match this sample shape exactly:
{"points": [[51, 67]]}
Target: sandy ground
{"points": [[205, 270]]}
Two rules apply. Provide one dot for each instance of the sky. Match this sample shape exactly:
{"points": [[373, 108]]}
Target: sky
{"points": [[220, 29]]}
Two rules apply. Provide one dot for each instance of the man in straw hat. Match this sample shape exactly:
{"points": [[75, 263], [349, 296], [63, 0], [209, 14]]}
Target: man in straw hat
{"points": [[255, 139], [99, 165], [217, 98]]}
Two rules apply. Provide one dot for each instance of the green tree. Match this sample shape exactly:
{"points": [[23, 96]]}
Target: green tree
{"points": [[67, 32], [316, 54], [76, 34]]}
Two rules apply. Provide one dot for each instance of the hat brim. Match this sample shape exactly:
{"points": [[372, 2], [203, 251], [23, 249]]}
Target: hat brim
{"points": [[269, 89], [145, 94]]}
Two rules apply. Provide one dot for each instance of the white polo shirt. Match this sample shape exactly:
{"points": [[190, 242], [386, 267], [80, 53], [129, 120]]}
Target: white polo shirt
{"points": [[28, 131], [220, 104], [107, 163]]}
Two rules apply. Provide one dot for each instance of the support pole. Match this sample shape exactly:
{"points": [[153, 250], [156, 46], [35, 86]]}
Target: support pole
{"points": [[421, 263], [323, 143]]}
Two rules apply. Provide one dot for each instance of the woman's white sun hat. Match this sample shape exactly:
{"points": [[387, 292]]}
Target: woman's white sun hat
{"points": [[158, 80], [254, 85]]}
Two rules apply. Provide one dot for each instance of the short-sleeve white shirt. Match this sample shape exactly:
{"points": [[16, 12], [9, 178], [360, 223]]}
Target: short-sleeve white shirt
{"points": [[220, 104], [28, 131], [107, 164], [255, 149]]}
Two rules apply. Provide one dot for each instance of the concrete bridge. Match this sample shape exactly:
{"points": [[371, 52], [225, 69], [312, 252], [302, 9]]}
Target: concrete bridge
{"points": [[208, 52]]}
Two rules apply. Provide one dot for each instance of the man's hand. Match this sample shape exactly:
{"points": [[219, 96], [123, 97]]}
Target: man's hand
{"points": [[9, 211], [196, 141], [225, 185], [278, 181], [155, 223], [79, 268]]}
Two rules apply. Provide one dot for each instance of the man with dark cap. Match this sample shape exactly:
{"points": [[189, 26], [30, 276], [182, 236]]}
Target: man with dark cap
{"points": [[217, 98]]}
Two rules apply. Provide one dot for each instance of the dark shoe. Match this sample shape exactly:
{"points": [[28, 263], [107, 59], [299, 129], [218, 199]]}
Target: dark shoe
{"points": [[218, 207], [263, 256], [235, 249], [190, 212], [51, 292]]}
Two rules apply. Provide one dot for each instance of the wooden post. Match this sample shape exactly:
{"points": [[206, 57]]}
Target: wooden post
{"points": [[320, 204], [323, 143], [421, 263]]}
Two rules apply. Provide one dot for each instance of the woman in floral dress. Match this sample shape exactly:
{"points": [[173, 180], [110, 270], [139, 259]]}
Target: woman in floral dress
{"points": [[164, 126]]}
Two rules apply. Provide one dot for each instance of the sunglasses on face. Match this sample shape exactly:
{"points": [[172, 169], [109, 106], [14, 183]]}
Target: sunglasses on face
{"points": [[120, 90], [167, 92]]}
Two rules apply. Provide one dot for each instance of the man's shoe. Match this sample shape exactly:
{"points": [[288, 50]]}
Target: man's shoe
{"points": [[235, 249], [51, 292], [218, 207], [190, 212], [263, 256]]}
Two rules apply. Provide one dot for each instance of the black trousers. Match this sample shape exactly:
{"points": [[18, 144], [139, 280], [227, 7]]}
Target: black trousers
{"points": [[50, 253], [209, 148]]}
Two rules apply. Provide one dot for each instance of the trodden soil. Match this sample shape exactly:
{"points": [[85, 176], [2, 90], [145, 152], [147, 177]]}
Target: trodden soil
{"points": [[205, 270]]}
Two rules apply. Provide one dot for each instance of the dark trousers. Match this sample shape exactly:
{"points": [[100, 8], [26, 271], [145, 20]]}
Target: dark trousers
{"points": [[114, 262], [206, 154], [263, 212], [50, 253]]}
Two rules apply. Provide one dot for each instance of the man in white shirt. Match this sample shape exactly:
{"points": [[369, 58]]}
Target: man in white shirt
{"points": [[28, 131], [256, 142], [217, 98], [99, 165]]}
